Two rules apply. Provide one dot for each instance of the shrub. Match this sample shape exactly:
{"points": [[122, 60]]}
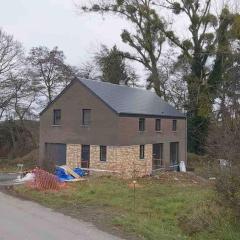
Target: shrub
{"points": [[202, 218], [228, 188], [48, 165], [223, 142]]}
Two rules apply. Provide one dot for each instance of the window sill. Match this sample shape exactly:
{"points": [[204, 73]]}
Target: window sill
{"points": [[159, 131], [56, 125]]}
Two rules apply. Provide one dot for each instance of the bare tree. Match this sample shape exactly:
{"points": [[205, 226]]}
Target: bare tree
{"points": [[88, 70], [49, 71], [146, 41], [25, 95], [11, 55]]}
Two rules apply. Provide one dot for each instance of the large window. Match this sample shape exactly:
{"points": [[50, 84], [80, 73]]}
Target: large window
{"points": [[142, 152], [103, 153], [141, 124], [56, 116], [174, 125], [157, 156], [86, 117], [158, 125], [174, 153]]}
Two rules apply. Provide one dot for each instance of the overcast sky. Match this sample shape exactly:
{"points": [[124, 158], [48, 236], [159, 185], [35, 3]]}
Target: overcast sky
{"points": [[56, 23]]}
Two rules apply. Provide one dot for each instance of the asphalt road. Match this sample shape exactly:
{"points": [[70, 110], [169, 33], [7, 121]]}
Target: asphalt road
{"points": [[25, 220]]}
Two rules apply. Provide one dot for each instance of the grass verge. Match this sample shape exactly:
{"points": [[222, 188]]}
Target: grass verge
{"points": [[163, 210]]}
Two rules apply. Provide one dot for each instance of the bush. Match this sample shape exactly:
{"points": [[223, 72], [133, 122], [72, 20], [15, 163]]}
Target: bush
{"points": [[49, 165], [202, 218], [223, 143], [203, 165], [228, 188]]}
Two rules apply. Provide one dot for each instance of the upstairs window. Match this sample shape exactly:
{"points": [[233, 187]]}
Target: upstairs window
{"points": [[103, 153], [142, 151], [158, 125], [56, 116], [141, 124], [86, 117], [174, 125]]}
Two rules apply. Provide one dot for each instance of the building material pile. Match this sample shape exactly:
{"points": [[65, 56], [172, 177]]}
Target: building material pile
{"points": [[66, 174], [42, 180]]}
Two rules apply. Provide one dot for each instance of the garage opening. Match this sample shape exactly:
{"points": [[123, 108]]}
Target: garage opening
{"points": [[55, 153]]}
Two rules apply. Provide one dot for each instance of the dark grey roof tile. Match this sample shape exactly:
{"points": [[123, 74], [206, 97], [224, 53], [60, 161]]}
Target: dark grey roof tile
{"points": [[127, 100]]}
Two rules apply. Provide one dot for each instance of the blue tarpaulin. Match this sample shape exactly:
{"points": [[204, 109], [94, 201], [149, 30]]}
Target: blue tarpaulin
{"points": [[79, 171], [63, 176]]}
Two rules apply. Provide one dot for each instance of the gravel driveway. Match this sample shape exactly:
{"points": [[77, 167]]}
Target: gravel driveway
{"points": [[25, 220]]}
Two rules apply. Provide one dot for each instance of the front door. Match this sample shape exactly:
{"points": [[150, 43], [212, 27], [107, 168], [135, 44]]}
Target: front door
{"points": [[174, 154], [85, 156], [157, 156]]}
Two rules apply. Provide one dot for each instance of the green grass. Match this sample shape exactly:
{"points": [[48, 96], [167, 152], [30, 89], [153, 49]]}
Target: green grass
{"points": [[163, 210]]}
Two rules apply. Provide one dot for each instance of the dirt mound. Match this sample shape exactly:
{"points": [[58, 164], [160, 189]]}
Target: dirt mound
{"points": [[180, 177]]}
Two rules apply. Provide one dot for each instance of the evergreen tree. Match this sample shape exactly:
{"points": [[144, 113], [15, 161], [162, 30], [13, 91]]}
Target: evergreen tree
{"points": [[113, 67]]}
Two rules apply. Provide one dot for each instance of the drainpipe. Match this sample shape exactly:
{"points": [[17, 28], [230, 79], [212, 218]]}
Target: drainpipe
{"points": [[186, 142]]}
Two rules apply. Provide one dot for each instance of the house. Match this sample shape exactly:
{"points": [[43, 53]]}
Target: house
{"points": [[104, 126]]}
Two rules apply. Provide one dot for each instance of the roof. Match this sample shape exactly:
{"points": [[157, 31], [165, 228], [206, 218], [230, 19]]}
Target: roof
{"points": [[126, 100]]}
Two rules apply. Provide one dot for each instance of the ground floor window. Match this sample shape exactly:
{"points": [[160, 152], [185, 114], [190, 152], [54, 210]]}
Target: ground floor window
{"points": [[103, 153], [142, 152]]}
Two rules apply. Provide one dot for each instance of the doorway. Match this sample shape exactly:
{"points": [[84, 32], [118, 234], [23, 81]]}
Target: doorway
{"points": [[174, 154], [85, 156], [157, 158]]}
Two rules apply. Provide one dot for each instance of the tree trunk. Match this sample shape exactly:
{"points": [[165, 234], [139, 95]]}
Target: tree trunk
{"points": [[198, 109], [49, 90]]}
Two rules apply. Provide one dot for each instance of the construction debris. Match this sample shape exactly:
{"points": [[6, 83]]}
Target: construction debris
{"points": [[66, 174], [180, 177], [44, 180], [29, 177], [70, 171], [182, 166]]}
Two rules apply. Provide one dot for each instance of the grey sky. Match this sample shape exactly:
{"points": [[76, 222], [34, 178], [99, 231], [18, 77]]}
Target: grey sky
{"points": [[56, 23]]}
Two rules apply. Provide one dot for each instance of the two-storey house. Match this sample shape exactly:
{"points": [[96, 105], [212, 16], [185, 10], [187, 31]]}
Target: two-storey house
{"points": [[104, 126]]}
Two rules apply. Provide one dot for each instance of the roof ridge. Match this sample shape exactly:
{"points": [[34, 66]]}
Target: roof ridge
{"points": [[117, 85]]}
